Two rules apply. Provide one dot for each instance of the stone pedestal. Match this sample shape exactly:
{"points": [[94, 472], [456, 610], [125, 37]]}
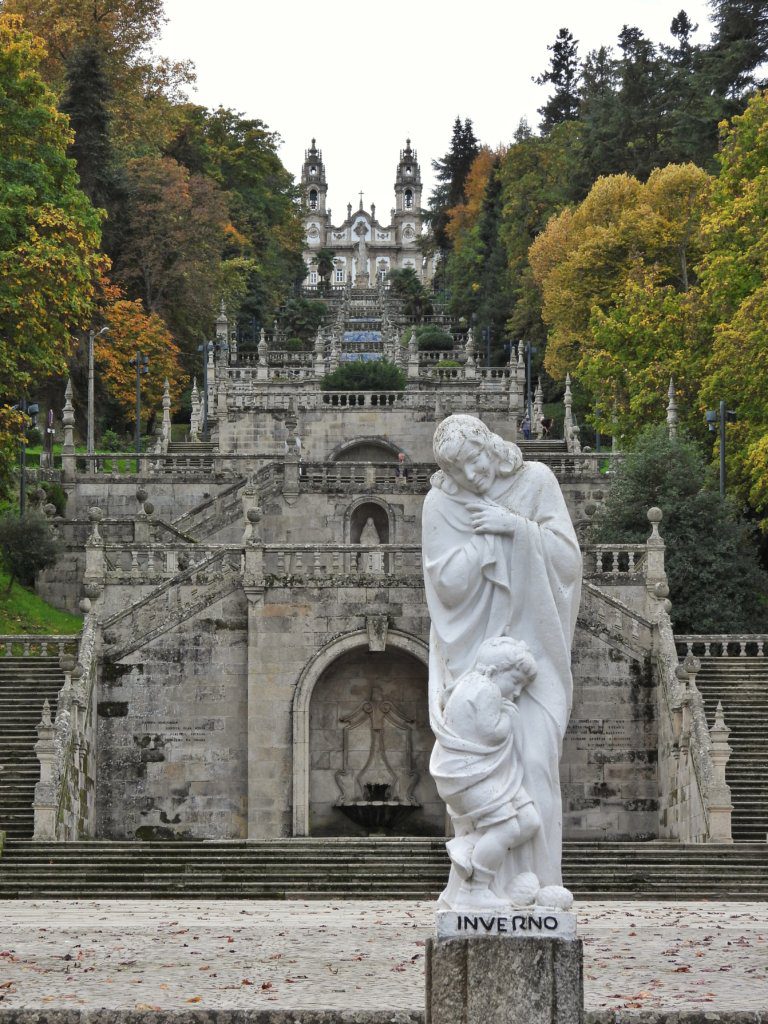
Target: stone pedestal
{"points": [[504, 980]]}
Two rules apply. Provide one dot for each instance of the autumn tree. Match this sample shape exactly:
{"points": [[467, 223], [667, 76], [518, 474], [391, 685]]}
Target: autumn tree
{"points": [[451, 172], [734, 278], [240, 155], [617, 275], [131, 329], [463, 263], [49, 232], [174, 239], [537, 178], [144, 88]]}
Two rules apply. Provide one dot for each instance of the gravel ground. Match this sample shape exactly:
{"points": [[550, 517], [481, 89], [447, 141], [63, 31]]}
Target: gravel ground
{"points": [[287, 955]]}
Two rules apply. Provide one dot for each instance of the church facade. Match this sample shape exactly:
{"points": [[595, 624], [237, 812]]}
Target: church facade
{"points": [[364, 250]]}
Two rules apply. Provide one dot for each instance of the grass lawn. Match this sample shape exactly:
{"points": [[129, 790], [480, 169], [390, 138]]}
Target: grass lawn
{"points": [[22, 611]]}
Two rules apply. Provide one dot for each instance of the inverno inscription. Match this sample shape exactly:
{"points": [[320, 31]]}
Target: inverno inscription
{"points": [[540, 923]]}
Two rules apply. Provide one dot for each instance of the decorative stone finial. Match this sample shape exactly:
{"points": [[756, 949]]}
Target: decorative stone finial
{"points": [[45, 721], [672, 416]]}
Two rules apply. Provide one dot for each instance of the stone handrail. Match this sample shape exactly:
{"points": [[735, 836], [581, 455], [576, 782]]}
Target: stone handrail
{"points": [[713, 645], [427, 356], [28, 645], [324, 476], [358, 399], [217, 506], [65, 795], [290, 564], [695, 801], [173, 600], [616, 561], [124, 466], [154, 563]]}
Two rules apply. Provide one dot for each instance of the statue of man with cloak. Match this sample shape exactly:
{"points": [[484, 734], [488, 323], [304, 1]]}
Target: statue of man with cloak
{"points": [[501, 559]]}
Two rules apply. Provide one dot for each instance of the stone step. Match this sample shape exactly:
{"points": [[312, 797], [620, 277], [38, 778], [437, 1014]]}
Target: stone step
{"points": [[393, 869], [25, 683]]}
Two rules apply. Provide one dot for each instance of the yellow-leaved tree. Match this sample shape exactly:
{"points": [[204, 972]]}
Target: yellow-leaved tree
{"points": [[618, 280], [734, 281]]}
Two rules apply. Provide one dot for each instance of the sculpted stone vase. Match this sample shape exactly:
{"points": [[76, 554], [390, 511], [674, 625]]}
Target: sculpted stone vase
{"points": [[502, 573]]}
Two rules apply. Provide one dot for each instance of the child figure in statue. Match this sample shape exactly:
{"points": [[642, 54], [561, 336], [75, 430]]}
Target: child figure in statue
{"points": [[492, 812]]}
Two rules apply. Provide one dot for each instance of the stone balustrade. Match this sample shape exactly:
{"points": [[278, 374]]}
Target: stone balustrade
{"points": [[331, 476], [155, 563], [27, 645], [288, 564], [427, 356], [362, 399], [64, 803], [713, 645], [695, 802], [617, 561]]}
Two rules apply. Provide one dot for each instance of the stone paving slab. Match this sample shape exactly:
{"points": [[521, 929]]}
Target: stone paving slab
{"points": [[353, 960]]}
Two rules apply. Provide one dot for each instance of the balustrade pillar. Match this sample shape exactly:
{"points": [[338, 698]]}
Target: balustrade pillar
{"points": [[720, 806], [44, 802]]}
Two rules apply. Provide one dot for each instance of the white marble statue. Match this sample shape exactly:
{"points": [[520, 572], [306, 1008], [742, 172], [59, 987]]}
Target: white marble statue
{"points": [[501, 560]]}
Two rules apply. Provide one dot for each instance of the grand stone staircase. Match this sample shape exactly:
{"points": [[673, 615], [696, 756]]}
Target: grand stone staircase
{"points": [[360, 869], [742, 686], [25, 683]]}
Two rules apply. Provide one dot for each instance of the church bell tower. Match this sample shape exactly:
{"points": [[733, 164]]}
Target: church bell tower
{"points": [[313, 184], [408, 182]]}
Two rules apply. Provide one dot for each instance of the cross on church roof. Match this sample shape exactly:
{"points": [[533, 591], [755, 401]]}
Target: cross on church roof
{"points": [[361, 199]]}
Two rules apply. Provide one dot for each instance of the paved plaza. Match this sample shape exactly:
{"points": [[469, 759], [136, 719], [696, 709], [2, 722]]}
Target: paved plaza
{"points": [[353, 956]]}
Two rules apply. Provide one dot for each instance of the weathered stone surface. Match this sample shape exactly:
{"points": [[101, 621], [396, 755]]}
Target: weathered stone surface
{"points": [[500, 981]]}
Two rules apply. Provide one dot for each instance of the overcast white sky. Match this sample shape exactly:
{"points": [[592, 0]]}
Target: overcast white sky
{"points": [[360, 77]]}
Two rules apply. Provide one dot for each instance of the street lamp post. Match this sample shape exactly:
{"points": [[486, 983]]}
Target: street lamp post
{"points": [[91, 438], [718, 419], [29, 411], [141, 365]]}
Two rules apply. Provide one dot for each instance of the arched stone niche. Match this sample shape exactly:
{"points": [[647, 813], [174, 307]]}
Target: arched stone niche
{"points": [[339, 681], [366, 449], [358, 514]]}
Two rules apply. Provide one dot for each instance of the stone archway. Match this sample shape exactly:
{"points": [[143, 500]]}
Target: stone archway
{"points": [[331, 675], [366, 449]]}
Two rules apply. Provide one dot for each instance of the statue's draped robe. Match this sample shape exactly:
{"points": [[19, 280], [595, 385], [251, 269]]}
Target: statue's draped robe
{"points": [[525, 586]]}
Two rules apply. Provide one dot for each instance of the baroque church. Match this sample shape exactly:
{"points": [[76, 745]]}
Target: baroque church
{"points": [[364, 250]]}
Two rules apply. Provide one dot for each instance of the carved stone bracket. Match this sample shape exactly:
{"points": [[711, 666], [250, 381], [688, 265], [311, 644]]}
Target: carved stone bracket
{"points": [[376, 627]]}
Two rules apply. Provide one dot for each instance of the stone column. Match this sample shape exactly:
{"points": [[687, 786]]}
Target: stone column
{"points": [[95, 557], [262, 370], [719, 802], [538, 410], [672, 417], [165, 430], [413, 357], [504, 979], [45, 790], [655, 574], [68, 465], [319, 356], [196, 416]]}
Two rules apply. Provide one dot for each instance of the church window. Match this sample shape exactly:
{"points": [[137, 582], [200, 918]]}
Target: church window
{"points": [[313, 169], [339, 275], [408, 199], [313, 277], [409, 170], [313, 199]]}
